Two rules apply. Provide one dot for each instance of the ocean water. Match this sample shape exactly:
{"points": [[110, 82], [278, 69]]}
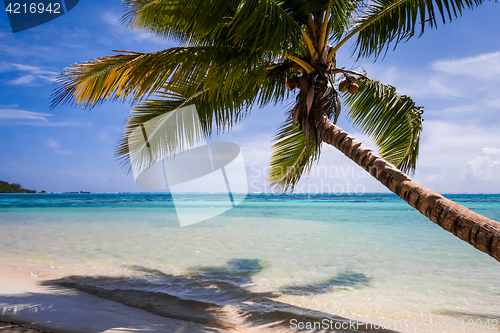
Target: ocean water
{"points": [[271, 259]]}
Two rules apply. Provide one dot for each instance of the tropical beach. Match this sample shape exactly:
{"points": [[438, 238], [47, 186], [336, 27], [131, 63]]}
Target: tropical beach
{"points": [[121, 262], [360, 217]]}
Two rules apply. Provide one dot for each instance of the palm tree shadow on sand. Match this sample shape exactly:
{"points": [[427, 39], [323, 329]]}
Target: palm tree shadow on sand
{"points": [[220, 296]]}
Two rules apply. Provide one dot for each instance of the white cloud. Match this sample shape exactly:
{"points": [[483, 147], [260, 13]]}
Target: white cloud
{"points": [[4, 67], [483, 66], [34, 74], [49, 123], [449, 162], [23, 80], [440, 86], [34, 70], [57, 148], [485, 168], [115, 22], [460, 91], [23, 117], [490, 151], [493, 103], [14, 114], [26, 68], [434, 178], [388, 76], [53, 144], [446, 78]]}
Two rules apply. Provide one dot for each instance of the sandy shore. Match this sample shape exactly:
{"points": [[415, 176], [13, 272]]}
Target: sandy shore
{"points": [[31, 303], [39, 308], [12, 327]]}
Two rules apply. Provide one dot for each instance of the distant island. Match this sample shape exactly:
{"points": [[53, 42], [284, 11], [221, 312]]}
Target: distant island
{"points": [[5, 187], [13, 188]]}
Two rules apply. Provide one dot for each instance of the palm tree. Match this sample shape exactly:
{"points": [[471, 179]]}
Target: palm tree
{"points": [[245, 53]]}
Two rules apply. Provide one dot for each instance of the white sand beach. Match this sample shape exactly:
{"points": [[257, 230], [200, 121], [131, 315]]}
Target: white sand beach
{"points": [[24, 300], [29, 305]]}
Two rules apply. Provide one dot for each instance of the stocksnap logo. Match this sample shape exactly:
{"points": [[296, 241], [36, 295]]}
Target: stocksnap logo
{"points": [[28, 14], [170, 152]]}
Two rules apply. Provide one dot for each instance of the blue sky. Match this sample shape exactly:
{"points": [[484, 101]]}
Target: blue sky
{"points": [[453, 71]]}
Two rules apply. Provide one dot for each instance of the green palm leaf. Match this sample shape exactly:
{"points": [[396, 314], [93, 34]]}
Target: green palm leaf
{"points": [[392, 120], [256, 24], [196, 21], [387, 21], [215, 106], [137, 75], [154, 136], [291, 157]]}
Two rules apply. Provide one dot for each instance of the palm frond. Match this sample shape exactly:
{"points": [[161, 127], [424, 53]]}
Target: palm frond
{"points": [[256, 24], [273, 86], [343, 13], [291, 157], [164, 136], [392, 120], [137, 75], [197, 21], [217, 108], [387, 21]]}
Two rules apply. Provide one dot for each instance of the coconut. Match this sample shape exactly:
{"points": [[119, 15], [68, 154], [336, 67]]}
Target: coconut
{"points": [[343, 86], [353, 88]]}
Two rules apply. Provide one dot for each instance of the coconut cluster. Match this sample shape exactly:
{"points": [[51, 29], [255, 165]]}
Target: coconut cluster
{"points": [[349, 84]]}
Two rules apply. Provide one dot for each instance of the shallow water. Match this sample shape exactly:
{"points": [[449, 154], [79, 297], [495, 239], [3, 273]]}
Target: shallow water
{"points": [[360, 257]]}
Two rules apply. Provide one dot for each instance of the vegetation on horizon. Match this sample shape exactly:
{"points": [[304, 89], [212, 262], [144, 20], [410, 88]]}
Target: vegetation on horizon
{"points": [[5, 187]]}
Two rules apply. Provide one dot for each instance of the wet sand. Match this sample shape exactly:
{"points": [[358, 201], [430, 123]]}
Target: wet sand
{"points": [[12, 327]]}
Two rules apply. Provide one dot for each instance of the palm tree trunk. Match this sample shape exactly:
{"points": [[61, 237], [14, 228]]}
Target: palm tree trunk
{"points": [[477, 230]]}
